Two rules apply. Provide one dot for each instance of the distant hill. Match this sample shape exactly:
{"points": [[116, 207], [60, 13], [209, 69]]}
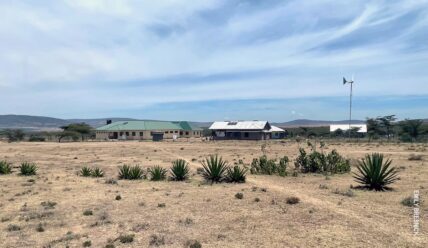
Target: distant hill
{"points": [[313, 123], [36, 123]]}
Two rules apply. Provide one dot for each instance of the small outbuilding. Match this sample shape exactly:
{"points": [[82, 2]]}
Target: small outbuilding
{"points": [[241, 130], [277, 133]]}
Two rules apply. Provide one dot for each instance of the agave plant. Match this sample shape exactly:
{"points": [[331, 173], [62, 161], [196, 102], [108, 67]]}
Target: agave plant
{"points": [[131, 172], [85, 171], [179, 170], [157, 173], [236, 174], [97, 172], [5, 167], [374, 173], [28, 169], [214, 168]]}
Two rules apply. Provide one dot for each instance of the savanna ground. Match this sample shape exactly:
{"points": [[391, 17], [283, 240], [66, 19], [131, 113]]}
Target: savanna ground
{"points": [[170, 214]]}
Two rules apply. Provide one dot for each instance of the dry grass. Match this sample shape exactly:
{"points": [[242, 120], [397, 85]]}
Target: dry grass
{"points": [[56, 199]]}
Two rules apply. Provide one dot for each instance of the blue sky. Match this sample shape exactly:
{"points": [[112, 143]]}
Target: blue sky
{"points": [[213, 60]]}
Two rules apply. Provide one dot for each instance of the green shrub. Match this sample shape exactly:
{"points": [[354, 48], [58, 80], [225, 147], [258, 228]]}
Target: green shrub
{"points": [[214, 168], [236, 174], [157, 173], [318, 162], [28, 169], [266, 166], [179, 170], [35, 138], [374, 173], [88, 212], [408, 201], [239, 196], [131, 172], [87, 243], [128, 238], [85, 171], [97, 172], [5, 167]]}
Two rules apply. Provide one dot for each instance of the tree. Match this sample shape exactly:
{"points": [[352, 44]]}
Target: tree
{"points": [[374, 128], [13, 134], [83, 129], [67, 134], [387, 124], [411, 128]]}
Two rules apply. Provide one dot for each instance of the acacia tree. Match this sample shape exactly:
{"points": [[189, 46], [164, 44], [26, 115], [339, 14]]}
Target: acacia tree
{"points": [[82, 129], [387, 124], [374, 129], [13, 134], [411, 128]]}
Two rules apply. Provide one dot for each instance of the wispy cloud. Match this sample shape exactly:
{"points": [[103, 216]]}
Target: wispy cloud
{"points": [[87, 55]]}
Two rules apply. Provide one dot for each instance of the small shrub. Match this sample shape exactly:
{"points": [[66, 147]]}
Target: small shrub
{"points": [[161, 205], [87, 243], [412, 157], [257, 199], [85, 171], [127, 238], [292, 200], [5, 167], [193, 244], [131, 172], [88, 212], [28, 169], [40, 228], [374, 173], [97, 172], [179, 170], [156, 240], [13, 228], [236, 174], [348, 193], [318, 162], [239, 196], [48, 204], [111, 181], [157, 173], [408, 201], [109, 246], [118, 198], [214, 168], [263, 165]]}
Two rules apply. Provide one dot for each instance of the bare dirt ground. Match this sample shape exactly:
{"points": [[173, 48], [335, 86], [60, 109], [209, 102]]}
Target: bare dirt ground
{"points": [[170, 214]]}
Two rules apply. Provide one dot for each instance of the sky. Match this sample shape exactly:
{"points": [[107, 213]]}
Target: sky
{"points": [[214, 59]]}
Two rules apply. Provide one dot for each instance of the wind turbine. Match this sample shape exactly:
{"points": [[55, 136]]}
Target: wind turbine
{"points": [[351, 82]]}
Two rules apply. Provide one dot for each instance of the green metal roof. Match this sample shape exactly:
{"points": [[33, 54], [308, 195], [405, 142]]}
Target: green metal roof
{"points": [[186, 126], [147, 125]]}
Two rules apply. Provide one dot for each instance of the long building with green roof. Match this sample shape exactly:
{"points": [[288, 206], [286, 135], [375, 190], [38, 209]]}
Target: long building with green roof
{"points": [[147, 130]]}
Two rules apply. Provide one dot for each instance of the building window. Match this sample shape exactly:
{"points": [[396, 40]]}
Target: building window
{"points": [[127, 133], [141, 134], [166, 131], [187, 133], [246, 135], [121, 133], [175, 131], [133, 133], [181, 133]]}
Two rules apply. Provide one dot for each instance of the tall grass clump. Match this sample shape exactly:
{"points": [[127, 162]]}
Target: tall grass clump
{"points": [[375, 173], [28, 169], [179, 170], [236, 174], [157, 173], [5, 167], [214, 168], [131, 172]]}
